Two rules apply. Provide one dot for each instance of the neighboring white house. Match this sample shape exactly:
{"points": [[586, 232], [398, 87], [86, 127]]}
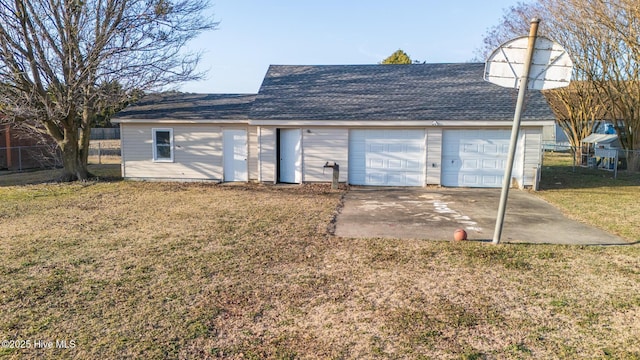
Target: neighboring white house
{"points": [[385, 125]]}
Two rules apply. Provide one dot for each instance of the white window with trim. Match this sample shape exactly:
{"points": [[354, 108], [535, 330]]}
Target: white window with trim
{"points": [[163, 145]]}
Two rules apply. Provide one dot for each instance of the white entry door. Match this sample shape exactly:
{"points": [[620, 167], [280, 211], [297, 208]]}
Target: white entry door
{"points": [[290, 162], [235, 154]]}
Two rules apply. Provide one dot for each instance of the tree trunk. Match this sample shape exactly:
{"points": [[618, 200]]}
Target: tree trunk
{"points": [[633, 155], [74, 159], [85, 130], [577, 154]]}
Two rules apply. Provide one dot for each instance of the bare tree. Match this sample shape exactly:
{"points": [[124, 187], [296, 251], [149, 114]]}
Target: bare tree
{"points": [[606, 34], [515, 21], [602, 37], [574, 112], [56, 56], [578, 110], [617, 31]]}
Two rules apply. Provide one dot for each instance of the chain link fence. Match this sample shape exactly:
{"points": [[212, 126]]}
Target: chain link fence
{"points": [[104, 152], [630, 159], [604, 159], [19, 158]]}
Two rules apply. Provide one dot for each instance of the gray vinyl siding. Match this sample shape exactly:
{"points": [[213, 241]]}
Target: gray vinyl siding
{"points": [[434, 156], [252, 138], [319, 146], [267, 154], [197, 152], [532, 140]]}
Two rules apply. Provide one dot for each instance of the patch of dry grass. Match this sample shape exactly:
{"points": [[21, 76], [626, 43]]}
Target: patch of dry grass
{"points": [[156, 270], [40, 176], [593, 196], [29, 177]]}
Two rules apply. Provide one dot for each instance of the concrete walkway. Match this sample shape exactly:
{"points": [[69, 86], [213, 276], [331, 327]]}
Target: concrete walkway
{"points": [[435, 213]]}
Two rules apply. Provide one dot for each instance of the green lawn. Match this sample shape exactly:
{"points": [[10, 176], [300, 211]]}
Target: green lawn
{"points": [[156, 270], [593, 196]]}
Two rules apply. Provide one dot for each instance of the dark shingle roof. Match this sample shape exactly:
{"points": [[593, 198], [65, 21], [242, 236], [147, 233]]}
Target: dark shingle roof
{"points": [[389, 92], [183, 106]]}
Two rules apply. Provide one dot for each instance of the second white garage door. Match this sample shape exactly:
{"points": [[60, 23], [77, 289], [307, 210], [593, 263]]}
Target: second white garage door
{"points": [[474, 158], [386, 157]]}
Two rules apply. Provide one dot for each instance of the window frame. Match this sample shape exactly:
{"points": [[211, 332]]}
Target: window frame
{"points": [[155, 145]]}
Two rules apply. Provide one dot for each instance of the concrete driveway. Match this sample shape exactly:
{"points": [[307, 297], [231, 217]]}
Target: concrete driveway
{"points": [[435, 213]]}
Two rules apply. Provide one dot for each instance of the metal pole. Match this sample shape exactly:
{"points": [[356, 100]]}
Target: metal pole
{"points": [[524, 80]]}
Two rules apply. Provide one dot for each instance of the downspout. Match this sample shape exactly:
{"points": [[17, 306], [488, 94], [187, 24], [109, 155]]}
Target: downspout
{"points": [[123, 159], [259, 134]]}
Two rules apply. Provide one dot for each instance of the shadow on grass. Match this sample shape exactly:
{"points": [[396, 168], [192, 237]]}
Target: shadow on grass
{"points": [[558, 172], [489, 242], [104, 172], [568, 177]]}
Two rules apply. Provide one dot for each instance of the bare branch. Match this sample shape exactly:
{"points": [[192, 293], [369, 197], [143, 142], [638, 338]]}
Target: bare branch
{"points": [[56, 56], [603, 38]]}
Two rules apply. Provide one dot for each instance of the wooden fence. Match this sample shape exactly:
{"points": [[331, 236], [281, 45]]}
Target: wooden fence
{"points": [[105, 133]]}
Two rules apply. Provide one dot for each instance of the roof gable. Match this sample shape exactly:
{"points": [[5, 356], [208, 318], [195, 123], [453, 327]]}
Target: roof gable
{"points": [[389, 92]]}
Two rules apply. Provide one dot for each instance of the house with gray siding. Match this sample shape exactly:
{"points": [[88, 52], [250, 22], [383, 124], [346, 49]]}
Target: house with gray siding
{"points": [[188, 137], [385, 125]]}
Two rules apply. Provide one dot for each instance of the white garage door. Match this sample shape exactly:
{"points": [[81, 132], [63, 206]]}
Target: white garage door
{"points": [[386, 157], [474, 158]]}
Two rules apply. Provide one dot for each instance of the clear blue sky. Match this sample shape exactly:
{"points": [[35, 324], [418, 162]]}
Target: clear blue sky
{"points": [[256, 33]]}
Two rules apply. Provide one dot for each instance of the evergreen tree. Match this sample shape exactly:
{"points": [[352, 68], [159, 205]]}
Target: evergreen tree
{"points": [[398, 57]]}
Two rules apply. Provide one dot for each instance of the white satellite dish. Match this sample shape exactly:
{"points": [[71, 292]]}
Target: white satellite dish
{"points": [[551, 65]]}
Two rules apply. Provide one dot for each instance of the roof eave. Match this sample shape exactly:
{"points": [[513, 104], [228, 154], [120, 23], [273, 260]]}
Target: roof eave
{"points": [[179, 121], [399, 123]]}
